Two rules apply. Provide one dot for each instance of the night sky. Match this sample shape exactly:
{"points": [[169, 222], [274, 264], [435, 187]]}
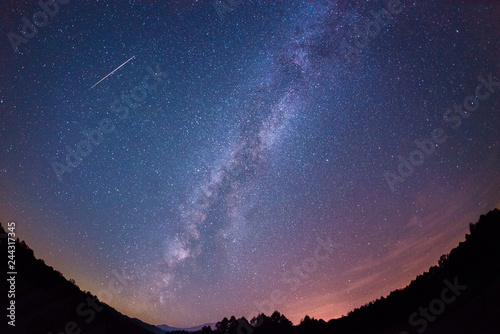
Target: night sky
{"points": [[251, 156]]}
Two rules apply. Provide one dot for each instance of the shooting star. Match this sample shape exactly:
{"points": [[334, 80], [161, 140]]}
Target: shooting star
{"points": [[116, 69]]}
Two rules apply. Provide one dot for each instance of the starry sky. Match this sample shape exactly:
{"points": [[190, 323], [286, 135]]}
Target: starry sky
{"points": [[304, 156]]}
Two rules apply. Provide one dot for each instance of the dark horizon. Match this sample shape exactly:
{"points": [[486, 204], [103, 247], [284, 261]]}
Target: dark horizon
{"points": [[466, 279], [190, 160]]}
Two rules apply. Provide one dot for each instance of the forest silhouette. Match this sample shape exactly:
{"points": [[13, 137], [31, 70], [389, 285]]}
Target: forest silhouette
{"points": [[458, 295]]}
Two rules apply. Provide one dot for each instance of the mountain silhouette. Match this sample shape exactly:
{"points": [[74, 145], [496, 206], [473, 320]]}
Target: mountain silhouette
{"points": [[168, 328], [47, 303]]}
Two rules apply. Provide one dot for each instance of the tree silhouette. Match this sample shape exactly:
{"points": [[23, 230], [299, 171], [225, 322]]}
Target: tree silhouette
{"points": [[222, 326], [206, 330]]}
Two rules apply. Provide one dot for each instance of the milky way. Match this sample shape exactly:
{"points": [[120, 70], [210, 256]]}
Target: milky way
{"points": [[256, 159]]}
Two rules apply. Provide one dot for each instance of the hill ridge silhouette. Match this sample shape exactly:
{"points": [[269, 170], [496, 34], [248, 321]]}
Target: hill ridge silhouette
{"points": [[48, 303]]}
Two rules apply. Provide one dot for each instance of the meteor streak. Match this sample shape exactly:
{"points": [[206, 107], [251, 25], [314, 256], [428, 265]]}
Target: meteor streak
{"points": [[116, 69]]}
